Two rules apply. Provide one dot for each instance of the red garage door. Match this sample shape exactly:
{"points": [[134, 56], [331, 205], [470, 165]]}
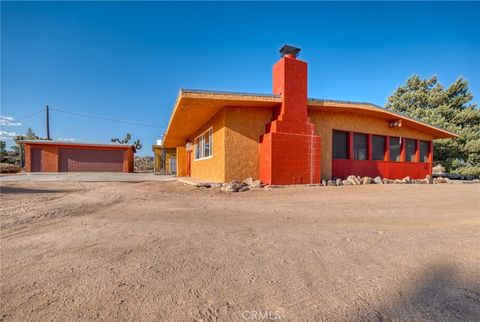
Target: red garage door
{"points": [[83, 160]]}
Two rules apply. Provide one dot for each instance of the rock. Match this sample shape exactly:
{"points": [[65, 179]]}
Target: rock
{"points": [[339, 182], [378, 180], [439, 180], [346, 183], [234, 186], [447, 180], [398, 181], [248, 181], [359, 179], [385, 181], [215, 185], [253, 184], [429, 179], [366, 180], [407, 179], [352, 180], [331, 183], [242, 189], [324, 183]]}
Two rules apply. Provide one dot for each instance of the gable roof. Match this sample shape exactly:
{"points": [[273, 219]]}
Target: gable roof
{"points": [[194, 108]]}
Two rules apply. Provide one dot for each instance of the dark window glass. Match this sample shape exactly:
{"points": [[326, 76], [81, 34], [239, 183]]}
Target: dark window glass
{"points": [[378, 147], [360, 146], [340, 145], [410, 147], [394, 149], [424, 150]]}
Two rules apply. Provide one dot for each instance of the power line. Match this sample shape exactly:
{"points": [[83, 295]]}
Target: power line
{"points": [[30, 115], [106, 119]]}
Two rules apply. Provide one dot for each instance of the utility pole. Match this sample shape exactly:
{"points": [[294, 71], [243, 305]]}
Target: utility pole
{"points": [[48, 123]]}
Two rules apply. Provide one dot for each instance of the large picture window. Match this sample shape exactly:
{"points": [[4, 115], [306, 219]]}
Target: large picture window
{"points": [[204, 145], [424, 151], [395, 148], [410, 149], [340, 145], [378, 147], [360, 146]]}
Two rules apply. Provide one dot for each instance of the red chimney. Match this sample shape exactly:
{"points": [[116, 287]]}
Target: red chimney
{"points": [[290, 149]]}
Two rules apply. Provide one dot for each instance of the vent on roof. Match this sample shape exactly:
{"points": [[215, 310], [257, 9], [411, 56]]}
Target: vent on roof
{"points": [[289, 51]]}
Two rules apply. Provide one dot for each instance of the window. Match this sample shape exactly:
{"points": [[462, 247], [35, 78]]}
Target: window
{"points": [[378, 147], [410, 147], [360, 146], [204, 145], [424, 151], [394, 148], [340, 145]]}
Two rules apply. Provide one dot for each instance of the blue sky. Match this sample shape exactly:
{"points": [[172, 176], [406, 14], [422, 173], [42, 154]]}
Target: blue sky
{"points": [[127, 61]]}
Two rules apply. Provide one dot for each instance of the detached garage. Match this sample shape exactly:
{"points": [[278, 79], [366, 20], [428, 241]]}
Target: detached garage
{"points": [[61, 156]]}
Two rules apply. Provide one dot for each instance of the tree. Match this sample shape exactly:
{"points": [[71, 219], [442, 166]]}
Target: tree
{"points": [[3, 151], [127, 139], [448, 108]]}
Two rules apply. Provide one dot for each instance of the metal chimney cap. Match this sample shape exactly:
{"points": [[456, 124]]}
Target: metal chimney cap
{"points": [[289, 50]]}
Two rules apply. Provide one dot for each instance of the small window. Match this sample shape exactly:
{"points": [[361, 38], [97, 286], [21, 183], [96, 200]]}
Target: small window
{"points": [[410, 147], [394, 148], [424, 151], [204, 145], [378, 147], [360, 146], [340, 145]]}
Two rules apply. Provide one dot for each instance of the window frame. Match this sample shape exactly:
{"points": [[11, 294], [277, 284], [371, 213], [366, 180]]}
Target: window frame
{"points": [[399, 148], [199, 145], [427, 155], [384, 147], [407, 156], [366, 146], [347, 134]]}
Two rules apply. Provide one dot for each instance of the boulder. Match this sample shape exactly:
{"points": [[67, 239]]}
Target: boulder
{"points": [[429, 179], [378, 180], [439, 180], [339, 182], [366, 180], [352, 180], [386, 181], [359, 179], [331, 183], [346, 183], [235, 186], [407, 179], [324, 183]]}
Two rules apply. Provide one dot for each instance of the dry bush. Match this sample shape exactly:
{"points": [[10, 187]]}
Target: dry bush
{"points": [[9, 168]]}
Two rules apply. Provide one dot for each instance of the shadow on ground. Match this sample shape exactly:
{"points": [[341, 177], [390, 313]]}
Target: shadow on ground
{"points": [[441, 294]]}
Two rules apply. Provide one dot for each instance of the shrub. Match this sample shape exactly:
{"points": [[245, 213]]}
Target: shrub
{"points": [[469, 171], [9, 168]]}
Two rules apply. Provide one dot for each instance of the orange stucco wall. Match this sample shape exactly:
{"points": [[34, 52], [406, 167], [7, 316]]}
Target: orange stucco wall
{"points": [[181, 161], [243, 128], [212, 168], [50, 155], [327, 121]]}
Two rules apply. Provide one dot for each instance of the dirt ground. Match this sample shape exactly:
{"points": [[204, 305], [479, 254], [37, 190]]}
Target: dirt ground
{"points": [[163, 251]]}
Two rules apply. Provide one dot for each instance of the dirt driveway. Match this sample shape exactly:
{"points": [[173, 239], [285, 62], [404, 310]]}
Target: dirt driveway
{"points": [[162, 251]]}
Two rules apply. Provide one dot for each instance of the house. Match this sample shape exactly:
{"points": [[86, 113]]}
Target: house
{"points": [[62, 156], [287, 138]]}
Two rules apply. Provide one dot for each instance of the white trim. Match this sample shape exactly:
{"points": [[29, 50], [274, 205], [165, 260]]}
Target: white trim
{"points": [[201, 143]]}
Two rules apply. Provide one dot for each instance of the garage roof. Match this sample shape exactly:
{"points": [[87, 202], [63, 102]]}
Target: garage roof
{"points": [[74, 143]]}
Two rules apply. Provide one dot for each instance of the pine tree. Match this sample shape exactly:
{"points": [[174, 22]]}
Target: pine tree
{"points": [[448, 108]]}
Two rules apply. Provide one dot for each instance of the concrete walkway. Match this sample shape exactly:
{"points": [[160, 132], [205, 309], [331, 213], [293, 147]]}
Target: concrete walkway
{"points": [[87, 177]]}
